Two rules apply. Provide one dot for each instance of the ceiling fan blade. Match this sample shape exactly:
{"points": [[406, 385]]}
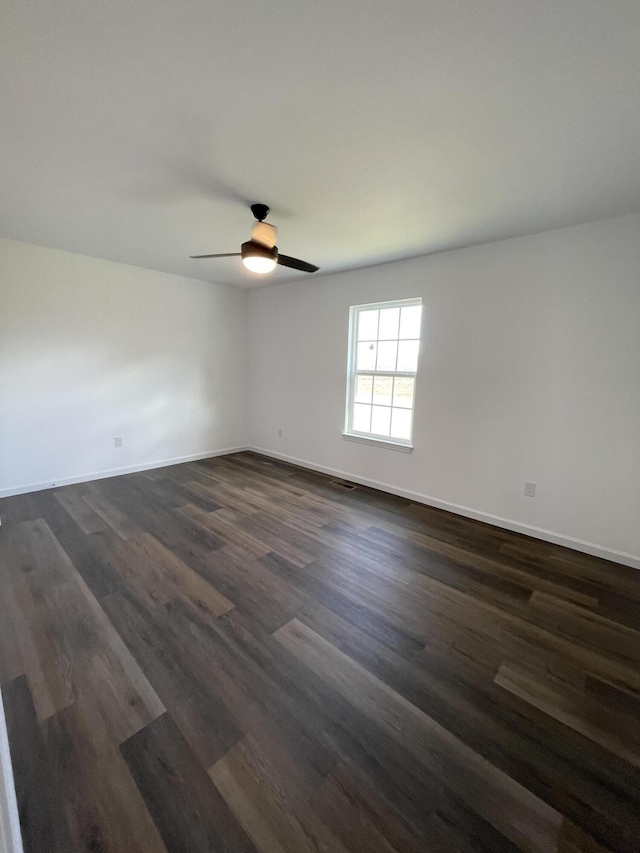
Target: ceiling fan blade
{"points": [[225, 255], [295, 264]]}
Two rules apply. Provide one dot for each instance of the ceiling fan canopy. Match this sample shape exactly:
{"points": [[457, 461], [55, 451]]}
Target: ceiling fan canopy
{"points": [[260, 254]]}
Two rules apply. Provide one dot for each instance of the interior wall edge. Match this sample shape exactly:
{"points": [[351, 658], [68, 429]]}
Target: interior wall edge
{"points": [[10, 835], [551, 536], [114, 472]]}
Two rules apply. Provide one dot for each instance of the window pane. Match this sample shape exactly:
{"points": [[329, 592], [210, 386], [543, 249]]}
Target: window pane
{"points": [[361, 418], [389, 319], [401, 423], [407, 355], [366, 356], [387, 351], [402, 392], [410, 321], [381, 420], [368, 325], [364, 388], [387, 342], [382, 390]]}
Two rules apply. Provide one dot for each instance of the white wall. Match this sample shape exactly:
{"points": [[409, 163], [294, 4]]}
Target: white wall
{"points": [[529, 370], [91, 349]]}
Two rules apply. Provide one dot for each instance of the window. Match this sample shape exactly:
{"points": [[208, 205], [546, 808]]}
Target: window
{"points": [[384, 342]]}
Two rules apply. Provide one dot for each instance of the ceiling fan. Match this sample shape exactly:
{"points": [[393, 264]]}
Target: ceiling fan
{"points": [[260, 254]]}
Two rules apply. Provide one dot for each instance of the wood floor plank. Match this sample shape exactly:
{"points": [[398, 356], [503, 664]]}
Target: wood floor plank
{"points": [[93, 566], [71, 498], [184, 535], [387, 773], [250, 585], [588, 628], [44, 663], [193, 702], [11, 660], [619, 733], [462, 825], [514, 811], [390, 603], [228, 655], [362, 614], [395, 552], [42, 817], [261, 806], [288, 542], [610, 697], [173, 492], [602, 573], [288, 509], [222, 527], [116, 520], [314, 506], [518, 741], [234, 499], [187, 808], [195, 493], [72, 652], [358, 811], [136, 572], [352, 825], [179, 579], [469, 558], [462, 608], [574, 840], [289, 665], [104, 808]]}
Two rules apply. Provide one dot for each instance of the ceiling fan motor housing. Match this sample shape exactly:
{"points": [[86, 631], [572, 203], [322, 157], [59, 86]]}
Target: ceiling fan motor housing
{"points": [[252, 249]]}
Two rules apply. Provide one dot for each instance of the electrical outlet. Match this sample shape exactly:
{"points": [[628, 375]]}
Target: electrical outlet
{"points": [[530, 490], [280, 432], [118, 441]]}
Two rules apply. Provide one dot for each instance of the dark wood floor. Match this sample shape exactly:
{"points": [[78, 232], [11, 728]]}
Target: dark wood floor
{"points": [[239, 655]]}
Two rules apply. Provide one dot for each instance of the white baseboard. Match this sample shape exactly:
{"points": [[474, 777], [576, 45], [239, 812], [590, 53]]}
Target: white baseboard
{"points": [[10, 836], [468, 512], [506, 523], [114, 472]]}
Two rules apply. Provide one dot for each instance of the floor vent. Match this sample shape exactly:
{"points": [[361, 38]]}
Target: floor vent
{"points": [[342, 484]]}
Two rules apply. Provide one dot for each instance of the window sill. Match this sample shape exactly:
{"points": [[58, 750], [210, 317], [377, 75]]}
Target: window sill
{"points": [[378, 442]]}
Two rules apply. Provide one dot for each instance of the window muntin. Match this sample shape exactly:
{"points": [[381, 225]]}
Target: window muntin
{"points": [[384, 345]]}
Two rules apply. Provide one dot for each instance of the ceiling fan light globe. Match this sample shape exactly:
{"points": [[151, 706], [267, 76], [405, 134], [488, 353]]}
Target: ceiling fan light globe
{"points": [[258, 258], [255, 263]]}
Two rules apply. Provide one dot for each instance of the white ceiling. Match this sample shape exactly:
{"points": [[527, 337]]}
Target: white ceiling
{"points": [[375, 129]]}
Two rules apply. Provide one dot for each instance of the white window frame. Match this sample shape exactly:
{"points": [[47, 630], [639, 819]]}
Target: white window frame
{"points": [[367, 437]]}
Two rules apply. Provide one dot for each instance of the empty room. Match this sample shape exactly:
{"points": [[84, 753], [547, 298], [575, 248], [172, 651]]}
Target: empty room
{"points": [[320, 426]]}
